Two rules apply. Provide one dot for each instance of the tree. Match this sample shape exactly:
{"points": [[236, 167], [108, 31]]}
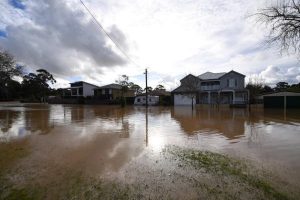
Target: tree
{"points": [[137, 89], [294, 88], [8, 70], [160, 87], [267, 89], [284, 22], [37, 86], [281, 86], [150, 89], [191, 84], [123, 81]]}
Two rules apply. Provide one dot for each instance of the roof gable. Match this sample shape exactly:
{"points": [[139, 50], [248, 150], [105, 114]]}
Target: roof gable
{"points": [[232, 71], [211, 75]]}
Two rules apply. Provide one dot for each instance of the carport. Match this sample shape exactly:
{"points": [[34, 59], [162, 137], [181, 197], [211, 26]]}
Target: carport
{"points": [[282, 100]]}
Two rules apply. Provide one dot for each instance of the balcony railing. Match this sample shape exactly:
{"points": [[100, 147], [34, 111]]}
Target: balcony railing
{"points": [[210, 87]]}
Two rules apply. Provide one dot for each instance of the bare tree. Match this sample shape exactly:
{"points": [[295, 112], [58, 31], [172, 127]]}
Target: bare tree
{"points": [[191, 85], [283, 19]]}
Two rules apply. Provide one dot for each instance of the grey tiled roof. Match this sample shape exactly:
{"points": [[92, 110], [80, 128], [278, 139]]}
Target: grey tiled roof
{"points": [[210, 75], [182, 88]]}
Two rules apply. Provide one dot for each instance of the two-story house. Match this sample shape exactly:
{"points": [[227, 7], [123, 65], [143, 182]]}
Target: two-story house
{"points": [[80, 89], [212, 88]]}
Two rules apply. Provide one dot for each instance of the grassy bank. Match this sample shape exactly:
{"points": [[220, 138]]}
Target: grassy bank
{"points": [[206, 175], [224, 167]]}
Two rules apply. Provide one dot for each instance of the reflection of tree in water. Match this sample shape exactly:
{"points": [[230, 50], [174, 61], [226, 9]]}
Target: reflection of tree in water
{"points": [[117, 114], [228, 122], [38, 119], [7, 118]]}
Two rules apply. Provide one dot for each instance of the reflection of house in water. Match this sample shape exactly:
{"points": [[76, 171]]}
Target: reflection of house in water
{"points": [[228, 122]]}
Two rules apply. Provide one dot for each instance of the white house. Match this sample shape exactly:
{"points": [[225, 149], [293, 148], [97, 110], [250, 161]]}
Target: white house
{"points": [[141, 100], [80, 89]]}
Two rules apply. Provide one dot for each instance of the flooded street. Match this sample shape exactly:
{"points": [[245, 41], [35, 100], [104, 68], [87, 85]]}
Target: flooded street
{"points": [[42, 146]]}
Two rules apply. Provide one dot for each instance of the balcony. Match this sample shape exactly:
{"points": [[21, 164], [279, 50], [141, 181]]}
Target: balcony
{"points": [[210, 87]]}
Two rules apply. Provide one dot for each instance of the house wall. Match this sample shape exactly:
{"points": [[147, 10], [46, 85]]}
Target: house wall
{"points": [[88, 89], [141, 100], [191, 81], [118, 93], [240, 81], [181, 99]]}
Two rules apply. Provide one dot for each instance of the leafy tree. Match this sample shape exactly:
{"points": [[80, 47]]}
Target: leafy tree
{"points": [[160, 87], [149, 89], [137, 89], [294, 88], [283, 19], [281, 86], [267, 89], [36, 85], [8, 70], [123, 81]]}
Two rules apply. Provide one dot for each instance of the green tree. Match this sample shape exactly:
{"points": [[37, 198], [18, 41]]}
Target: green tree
{"points": [[36, 85], [123, 81], [150, 89], [294, 88], [160, 87], [281, 86], [8, 70], [137, 89]]}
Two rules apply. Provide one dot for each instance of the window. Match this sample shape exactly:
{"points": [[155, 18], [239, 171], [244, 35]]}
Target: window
{"points": [[80, 91], [138, 100], [232, 83], [150, 99]]}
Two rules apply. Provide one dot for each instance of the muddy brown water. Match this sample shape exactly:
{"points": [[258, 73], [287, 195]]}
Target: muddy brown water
{"points": [[104, 140]]}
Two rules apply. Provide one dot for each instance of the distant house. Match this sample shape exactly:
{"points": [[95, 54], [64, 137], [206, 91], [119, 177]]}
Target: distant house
{"points": [[80, 89], [212, 88], [141, 100], [158, 96], [111, 92]]}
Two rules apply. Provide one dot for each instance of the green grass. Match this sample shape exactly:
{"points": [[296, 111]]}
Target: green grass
{"points": [[223, 165]]}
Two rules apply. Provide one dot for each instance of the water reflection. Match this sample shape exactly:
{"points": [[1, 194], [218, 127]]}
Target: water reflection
{"points": [[227, 122], [105, 138]]}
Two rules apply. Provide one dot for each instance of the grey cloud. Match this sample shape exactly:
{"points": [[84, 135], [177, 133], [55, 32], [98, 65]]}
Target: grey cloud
{"points": [[62, 39], [273, 74], [119, 37]]}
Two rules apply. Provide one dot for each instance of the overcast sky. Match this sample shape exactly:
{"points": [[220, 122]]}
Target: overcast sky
{"points": [[172, 38]]}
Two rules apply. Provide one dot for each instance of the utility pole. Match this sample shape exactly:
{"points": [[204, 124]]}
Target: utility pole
{"points": [[146, 74]]}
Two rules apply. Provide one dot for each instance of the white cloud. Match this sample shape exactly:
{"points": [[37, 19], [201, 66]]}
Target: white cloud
{"points": [[273, 74], [171, 38]]}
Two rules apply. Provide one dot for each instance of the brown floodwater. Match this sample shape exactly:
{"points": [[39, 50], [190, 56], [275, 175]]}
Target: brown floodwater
{"points": [[103, 140]]}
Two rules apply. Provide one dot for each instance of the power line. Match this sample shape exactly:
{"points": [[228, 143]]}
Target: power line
{"points": [[107, 34]]}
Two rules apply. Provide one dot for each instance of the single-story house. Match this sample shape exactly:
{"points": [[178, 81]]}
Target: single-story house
{"points": [[141, 100]]}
